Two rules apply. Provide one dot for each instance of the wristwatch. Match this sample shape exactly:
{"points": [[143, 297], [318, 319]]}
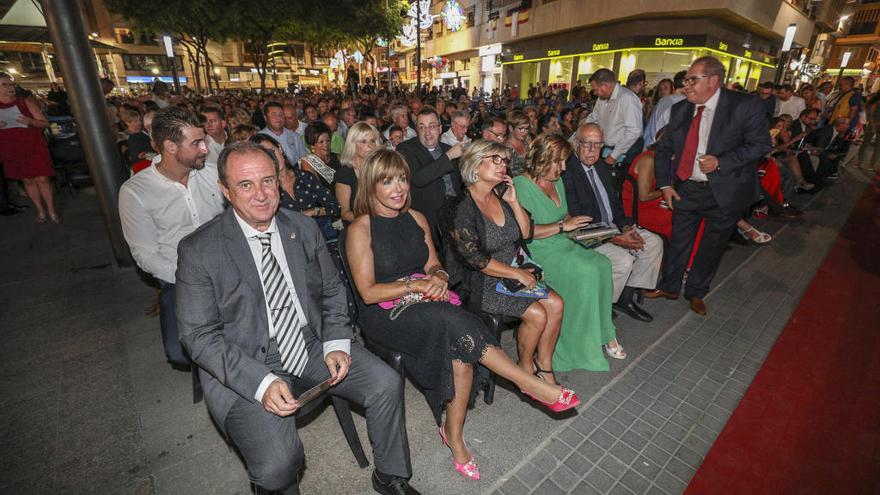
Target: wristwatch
{"points": [[561, 229]]}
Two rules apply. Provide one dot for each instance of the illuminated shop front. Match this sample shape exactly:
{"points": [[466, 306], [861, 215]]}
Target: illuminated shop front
{"points": [[660, 56]]}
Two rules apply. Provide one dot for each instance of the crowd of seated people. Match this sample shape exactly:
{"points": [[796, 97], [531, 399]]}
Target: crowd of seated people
{"points": [[451, 215]]}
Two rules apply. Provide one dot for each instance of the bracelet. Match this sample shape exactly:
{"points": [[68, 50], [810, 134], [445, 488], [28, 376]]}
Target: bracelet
{"points": [[444, 272], [407, 284], [561, 229]]}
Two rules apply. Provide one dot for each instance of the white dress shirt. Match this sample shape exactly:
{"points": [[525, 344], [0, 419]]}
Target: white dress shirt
{"points": [[449, 138], [157, 212], [277, 246], [214, 148], [705, 128], [620, 117], [793, 107]]}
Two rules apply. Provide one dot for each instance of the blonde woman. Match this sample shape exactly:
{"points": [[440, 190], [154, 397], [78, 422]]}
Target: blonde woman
{"points": [[361, 140], [489, 231]]}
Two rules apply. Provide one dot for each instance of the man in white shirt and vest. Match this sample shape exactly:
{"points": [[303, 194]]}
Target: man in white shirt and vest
{"points": [[163, 203]]}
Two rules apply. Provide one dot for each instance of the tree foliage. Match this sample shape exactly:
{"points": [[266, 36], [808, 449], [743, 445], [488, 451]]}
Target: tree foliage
{"points": [[193, 23], [256, 23]]}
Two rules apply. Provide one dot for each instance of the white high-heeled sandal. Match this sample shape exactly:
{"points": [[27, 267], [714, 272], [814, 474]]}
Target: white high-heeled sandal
{"points": [[616, 352]]}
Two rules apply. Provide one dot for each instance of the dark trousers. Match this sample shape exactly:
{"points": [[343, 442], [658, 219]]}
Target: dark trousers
{"points": [[827, 166], [168, 321], [697, 203], [270, 444], [4, 191]]}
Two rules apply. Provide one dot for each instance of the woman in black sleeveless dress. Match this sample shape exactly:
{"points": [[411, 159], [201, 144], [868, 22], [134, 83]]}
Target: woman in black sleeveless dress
{"points": [[386, 245]]}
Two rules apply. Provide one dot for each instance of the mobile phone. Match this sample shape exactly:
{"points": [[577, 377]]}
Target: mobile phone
{"points": [[501, 188]]}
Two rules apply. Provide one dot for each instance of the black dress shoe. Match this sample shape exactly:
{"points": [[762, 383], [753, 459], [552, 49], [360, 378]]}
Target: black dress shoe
{"points": [[178, 366], [788, 212], [397, 486], [633, 310]]}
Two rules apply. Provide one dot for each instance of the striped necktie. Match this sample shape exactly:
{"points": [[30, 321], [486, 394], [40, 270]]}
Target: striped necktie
{"points": [[285, 320]]}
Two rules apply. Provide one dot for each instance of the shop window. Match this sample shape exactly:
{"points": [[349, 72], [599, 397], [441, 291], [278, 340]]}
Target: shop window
{"points": [[25, 62], [754, 77], [529, 76], [149, 62], [588, 64], [560, 71], [659, 64]]}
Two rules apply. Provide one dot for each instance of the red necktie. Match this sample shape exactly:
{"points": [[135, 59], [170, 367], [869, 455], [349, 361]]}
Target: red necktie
{"points": [[689, 153]]}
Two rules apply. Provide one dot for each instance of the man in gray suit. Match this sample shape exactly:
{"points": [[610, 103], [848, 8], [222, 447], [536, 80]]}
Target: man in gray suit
{"points": [[261, 308]]}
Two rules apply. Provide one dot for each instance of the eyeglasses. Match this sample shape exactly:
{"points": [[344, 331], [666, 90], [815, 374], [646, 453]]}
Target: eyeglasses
{"points": [[429, 127], [690, 81], [502, 135], [498, 159], [591, 145]]}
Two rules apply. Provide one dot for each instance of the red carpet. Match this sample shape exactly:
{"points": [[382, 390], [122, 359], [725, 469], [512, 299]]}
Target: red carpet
{"points": [[810, 421]]}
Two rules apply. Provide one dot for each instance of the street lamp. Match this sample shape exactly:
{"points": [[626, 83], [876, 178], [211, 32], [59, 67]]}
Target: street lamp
{"points": [[169, 52], [786, 50], [844, 61]]}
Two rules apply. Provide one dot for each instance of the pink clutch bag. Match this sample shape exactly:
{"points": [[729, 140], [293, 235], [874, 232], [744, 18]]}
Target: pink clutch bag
{"points": [[454, 299]]}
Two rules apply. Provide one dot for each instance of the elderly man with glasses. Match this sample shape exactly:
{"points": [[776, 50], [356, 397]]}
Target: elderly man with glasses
{"points": [[590, 190], [457, 132]]}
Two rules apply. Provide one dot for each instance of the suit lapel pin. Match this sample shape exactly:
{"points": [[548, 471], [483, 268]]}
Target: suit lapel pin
{"points": [[293, 235]]}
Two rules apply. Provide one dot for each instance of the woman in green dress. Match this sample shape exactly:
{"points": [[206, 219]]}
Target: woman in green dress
{"points": [[581, 276]]}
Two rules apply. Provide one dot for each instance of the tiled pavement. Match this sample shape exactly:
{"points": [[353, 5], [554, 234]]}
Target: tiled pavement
{"points": [[650, 428]]}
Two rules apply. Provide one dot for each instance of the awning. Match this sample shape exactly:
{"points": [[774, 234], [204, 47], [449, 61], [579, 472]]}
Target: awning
{"points": [[35, 34]]}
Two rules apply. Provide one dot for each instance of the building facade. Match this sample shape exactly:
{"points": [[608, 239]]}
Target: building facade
{"points": [[523, 42]]}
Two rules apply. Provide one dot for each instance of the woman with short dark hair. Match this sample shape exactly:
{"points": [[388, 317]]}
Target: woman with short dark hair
{"points": [[321, 162]]}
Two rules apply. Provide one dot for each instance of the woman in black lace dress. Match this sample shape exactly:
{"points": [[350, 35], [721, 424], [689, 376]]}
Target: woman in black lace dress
{"points": [[488, 232], [387, 245]]}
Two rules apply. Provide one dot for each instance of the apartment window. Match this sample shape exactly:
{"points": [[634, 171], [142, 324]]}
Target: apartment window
{"points": [[124, 36], [298, 53], [320, 56]]}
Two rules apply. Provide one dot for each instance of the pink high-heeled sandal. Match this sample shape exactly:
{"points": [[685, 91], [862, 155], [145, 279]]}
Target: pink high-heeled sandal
{"points": [[567, 399], [469, 469]]}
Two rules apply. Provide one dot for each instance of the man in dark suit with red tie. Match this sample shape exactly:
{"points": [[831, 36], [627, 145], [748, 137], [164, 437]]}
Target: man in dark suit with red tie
{"points": [[706, 167]]}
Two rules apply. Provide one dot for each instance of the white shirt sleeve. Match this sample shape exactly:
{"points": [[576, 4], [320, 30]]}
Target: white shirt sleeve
{"points": [[343, 345], [631, 112], [261, 390], [142, 238]]}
